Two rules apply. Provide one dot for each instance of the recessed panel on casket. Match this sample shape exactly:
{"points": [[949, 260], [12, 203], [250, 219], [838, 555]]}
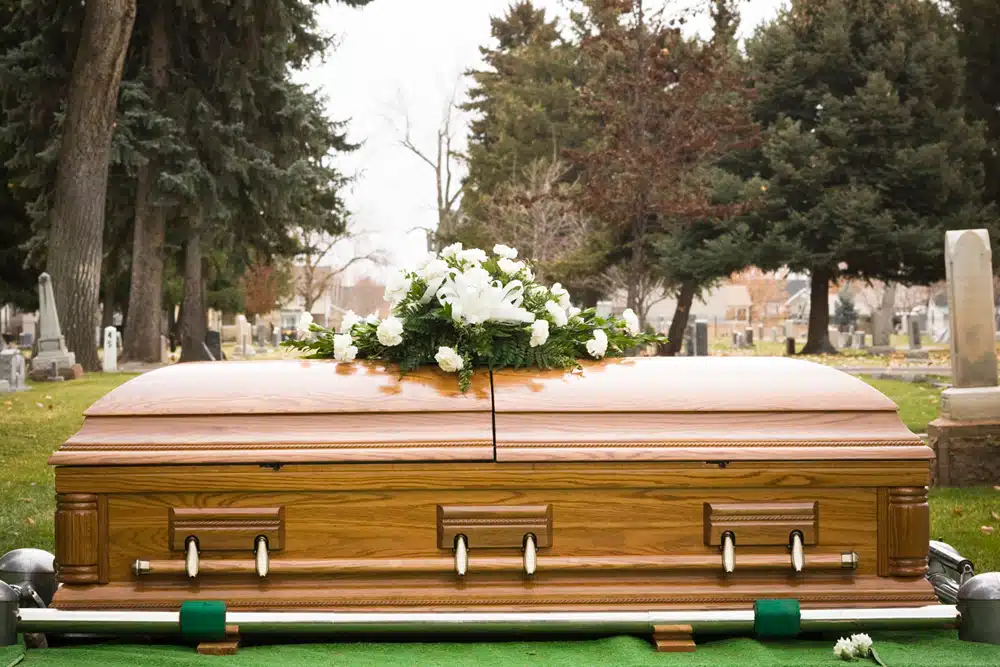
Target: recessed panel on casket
{"points": [[284, 412], [696, 409]]}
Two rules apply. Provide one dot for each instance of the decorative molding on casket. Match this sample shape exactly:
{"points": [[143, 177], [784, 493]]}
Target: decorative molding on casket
{"points": [[494, 526], [761, 524], [226, 528]]}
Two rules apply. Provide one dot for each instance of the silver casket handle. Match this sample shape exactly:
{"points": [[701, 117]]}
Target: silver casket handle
{"points": [[530, 555], [461, 556], [262, 560], [798, 557], [728, 552], [191, 557]]}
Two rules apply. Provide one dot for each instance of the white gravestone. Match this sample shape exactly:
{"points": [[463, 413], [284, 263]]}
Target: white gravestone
{"points": [[12, 371], [110, 362], [51, 344]]}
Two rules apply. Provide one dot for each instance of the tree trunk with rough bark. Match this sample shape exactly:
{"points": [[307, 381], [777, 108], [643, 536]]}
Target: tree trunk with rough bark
{"points": [[882, 317], [145, 298], [818, 340], [675, 337], [193, 324], [77, 217]]}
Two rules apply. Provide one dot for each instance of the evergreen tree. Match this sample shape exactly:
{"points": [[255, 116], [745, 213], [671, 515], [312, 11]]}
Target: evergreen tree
{"points": [[844, 313], [867, 153]]}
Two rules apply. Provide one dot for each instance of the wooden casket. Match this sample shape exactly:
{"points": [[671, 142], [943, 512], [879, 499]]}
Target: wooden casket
{"points": [[634, 484]]}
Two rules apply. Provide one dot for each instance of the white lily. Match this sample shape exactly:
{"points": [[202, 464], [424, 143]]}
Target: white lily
{"points": [[475, 298]]}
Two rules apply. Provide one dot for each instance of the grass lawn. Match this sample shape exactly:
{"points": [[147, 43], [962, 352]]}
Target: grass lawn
{"points": [[918, 403]]}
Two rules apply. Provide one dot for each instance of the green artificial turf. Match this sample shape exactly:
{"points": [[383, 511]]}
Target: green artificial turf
{"points": [[897, 649]]}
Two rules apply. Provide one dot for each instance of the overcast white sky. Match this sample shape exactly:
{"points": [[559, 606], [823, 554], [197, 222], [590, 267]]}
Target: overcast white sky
{"points": [[397, 56]]}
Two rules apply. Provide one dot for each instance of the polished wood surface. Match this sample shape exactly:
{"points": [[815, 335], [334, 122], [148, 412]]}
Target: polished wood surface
{"points": [[494, 526], [757, 524], [226, 528], [687, 384], [908, 531], [78, 546]]}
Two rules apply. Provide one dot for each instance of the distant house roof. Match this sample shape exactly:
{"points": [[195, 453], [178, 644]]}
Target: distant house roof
{"points": [[795, 285]]}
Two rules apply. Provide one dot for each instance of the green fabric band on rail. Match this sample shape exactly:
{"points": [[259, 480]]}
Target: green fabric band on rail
{"points": [[203, 621], [776, 619]]}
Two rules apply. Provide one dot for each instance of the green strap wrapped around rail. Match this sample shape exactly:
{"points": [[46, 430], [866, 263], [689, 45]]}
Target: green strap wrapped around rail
{"points": [[203, 620], [776, 619]]}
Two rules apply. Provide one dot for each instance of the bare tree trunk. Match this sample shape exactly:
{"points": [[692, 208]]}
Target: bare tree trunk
{"points": [[818, 341], [882, 317], [108, 303], [77, 217], [193, 324], [675, 337], [145, 298]]}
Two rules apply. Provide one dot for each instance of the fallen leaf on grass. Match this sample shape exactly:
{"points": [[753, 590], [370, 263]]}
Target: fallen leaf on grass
{"points": [[995, 515], [27, 500], [49, 398], [996, 488], [28, 521], [957, 511], [986, 530], [8, 403], [39, 405]]}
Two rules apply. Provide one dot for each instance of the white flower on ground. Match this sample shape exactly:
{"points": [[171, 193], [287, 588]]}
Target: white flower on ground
{"points": [[397, 287], [844, 649], [304, 321], [504, 251], [557, 313], [561, 295], [510, 267], [348, 321], [631, 322], [390, 331], [449, 360], [452, 250], [598, 345], [862, 645], [539, 333], [472, 256], [342, 348]]}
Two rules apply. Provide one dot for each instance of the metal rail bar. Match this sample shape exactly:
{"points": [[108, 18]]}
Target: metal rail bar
{"points": [[724, 622]]}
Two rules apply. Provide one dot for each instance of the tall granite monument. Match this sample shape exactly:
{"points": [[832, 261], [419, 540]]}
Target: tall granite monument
{"points": [[51, 344], [966, 437]]}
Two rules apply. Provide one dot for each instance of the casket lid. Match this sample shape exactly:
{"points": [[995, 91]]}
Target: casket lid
{"points": [[639, 409], [285, 411]]}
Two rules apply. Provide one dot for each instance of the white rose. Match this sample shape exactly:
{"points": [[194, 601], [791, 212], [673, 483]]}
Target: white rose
{"points": [[598, 345], [343, 350], [452, 250], [557, 314], [436, 268], [561, 295], [509, 266], [539, 333], [390, 331], [397, 287], [472, 256], [449, 360], [844, 649], [505, 251], [631, 322], [348, 321], [573, 311], [862, 645], [305, 320]]}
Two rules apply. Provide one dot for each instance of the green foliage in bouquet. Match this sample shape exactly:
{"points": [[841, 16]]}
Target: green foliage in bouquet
{"points": [[465, 309]]}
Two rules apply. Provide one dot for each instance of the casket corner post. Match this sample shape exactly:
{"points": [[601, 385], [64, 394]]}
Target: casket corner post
{"points": [[904, 531], [81, 538]]}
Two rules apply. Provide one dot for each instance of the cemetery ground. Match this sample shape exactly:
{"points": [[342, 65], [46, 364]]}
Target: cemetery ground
{"points": [[34, 423]]}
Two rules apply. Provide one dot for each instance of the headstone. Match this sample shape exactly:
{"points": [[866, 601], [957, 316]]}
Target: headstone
{"points": [[276, 337], [968, 265], [774, 334], [12, 371], [736, 340], [110, 362], [689, 340], [740, 341], [701, 338], [164, 350], [789, 329], [27, 338], [51, 344], [244, 337], [760, 333], [914, 333], [213, 342], [748, 337], [834, 335], [790, 346], [859, 339], [54, 375]]}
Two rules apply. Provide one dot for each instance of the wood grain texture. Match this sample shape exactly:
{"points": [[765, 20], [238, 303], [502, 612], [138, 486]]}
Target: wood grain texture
{"points": [[882, 514], [758, 524], [908, 530], [226, 528], [494, 526], [290, 387], [687, 384], [485, 476], [78, 545]]}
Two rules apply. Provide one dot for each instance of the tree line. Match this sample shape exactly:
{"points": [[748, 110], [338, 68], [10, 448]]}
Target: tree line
{"points": [[841, 140], [159, 153]]}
